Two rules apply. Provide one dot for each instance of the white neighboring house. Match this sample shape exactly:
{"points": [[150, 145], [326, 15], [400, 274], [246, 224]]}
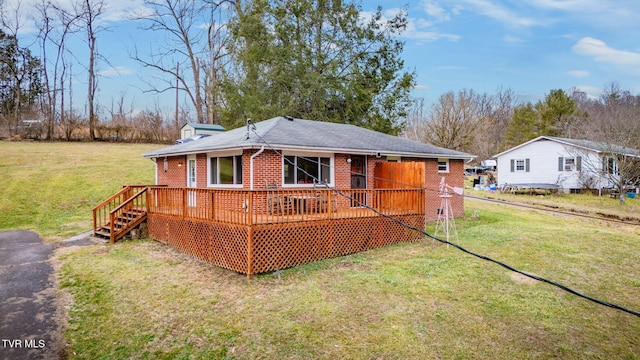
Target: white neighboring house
{"points": [[547, 160], [195, 128]]}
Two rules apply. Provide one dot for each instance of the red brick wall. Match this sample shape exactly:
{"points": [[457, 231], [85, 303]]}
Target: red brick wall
{"points": [[268, 167], [176, 174], [454, 178], [342, 176], [201, 170]]}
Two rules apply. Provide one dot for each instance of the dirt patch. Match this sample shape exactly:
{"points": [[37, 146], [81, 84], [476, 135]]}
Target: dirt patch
{"points": [[521, 279]]}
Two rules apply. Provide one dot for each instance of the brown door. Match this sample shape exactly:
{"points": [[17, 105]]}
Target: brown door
{"points": [[358, 180]]}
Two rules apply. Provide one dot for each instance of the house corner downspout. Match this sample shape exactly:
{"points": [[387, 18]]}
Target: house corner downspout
{"points": [[251, 165]]}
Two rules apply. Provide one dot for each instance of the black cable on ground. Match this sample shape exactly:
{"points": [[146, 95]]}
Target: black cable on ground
{"points": [[411, 227]]}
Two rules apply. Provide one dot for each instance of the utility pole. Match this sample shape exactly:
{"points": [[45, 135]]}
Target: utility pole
{"points": [[177, 104]]}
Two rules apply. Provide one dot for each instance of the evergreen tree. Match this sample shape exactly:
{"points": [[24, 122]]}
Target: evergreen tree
{"points": [[523, 126], [20, 80], [317, 60]]}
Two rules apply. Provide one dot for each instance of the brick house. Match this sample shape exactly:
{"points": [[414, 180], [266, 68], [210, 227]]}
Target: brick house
{"points": [[286, 191]]}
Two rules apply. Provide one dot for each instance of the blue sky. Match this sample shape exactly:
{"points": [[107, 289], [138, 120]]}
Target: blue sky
{"points": [[529, 46]]}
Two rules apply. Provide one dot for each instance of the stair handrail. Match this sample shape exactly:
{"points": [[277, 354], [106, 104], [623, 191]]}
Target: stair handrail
{"points": [[112, 214], [107, 202]]}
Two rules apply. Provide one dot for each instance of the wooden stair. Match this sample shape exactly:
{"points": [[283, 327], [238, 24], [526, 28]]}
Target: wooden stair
{"points": [[123, 224], [117, 216]]}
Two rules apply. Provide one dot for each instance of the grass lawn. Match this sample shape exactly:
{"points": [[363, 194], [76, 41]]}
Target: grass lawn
{"points": [[423, 300], [579, 203], [51, 188]]}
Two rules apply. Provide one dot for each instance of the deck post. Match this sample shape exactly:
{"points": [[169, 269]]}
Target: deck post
{"points": [[250, 252], [184, 202], [213, 203], [250, 208], [112, 236], [95, 221]]}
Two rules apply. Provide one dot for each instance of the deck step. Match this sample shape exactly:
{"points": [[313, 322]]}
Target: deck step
{"points": [[103, 233]]}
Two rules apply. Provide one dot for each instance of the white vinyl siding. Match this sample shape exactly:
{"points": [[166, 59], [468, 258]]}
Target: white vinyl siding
{"points": [[544, 165]]}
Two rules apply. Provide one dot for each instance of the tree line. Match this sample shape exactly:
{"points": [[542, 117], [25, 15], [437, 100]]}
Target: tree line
{"points": [[231, 59], [487, 124]]}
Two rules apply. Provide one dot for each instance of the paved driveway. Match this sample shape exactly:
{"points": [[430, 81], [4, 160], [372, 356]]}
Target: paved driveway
{"points": [[28, 326]]}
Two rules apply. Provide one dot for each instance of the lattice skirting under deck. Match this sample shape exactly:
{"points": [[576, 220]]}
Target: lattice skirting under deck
{"points": [[267, 247]]}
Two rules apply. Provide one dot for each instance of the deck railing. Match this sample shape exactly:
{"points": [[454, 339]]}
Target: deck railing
{"points": [[101, 213], [249, 207], [127, 216]]}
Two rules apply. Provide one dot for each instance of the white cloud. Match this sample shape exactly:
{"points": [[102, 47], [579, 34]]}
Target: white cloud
{"points": [[578, 73], [115, 71], [592, 92], [417, 29], [421, 87], [435, 11], [601, 52], [603, 14], [25, 14], [504, 15]]}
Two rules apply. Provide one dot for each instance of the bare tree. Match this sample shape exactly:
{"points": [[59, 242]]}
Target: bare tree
{"points": [[197, 51], [54, 27], [466, 121], [416, 121], [612, 121], [452, 120], [88, 13]]}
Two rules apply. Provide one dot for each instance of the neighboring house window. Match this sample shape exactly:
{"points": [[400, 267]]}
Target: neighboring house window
{"points": [[610, 166], [305, 169], [570, 163], [225, 170], [520, 165], [443, 165]]}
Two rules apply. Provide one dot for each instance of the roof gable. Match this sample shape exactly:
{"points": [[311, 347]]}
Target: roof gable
{"points": [[297, 134], [210, 127], [594, 146]]}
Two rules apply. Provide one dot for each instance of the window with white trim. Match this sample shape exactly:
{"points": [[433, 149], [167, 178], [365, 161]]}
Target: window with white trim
{"points": [[225, 170], [610, 166], [520, 165], [569, 164], [301, 170], [443, 165]]}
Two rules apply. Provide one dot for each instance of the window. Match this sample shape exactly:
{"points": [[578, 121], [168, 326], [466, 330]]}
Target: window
{"points": [[610, 166], [225, 170], [569, 163], [443, 165], [306, 169], [518, 165]]}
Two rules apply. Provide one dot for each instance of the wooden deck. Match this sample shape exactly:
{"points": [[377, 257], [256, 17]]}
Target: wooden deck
{"points": [[254, 232], [244, 207]]}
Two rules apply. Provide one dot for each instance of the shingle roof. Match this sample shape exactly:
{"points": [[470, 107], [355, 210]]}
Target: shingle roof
{"points": [[599, 147], [297, 134]]}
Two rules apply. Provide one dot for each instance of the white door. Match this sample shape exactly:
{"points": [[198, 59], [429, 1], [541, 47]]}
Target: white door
{"points": [[191, 180]]}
